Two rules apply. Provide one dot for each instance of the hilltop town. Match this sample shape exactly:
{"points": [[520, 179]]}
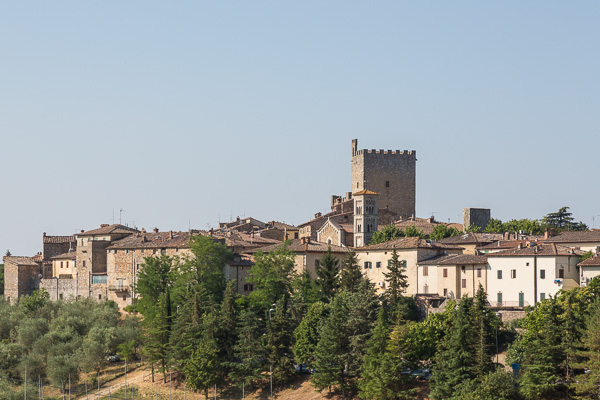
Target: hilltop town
{"points": [[516, 269]]}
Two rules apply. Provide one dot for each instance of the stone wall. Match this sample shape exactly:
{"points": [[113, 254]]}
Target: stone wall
{"points": [[392, 174], [19, 280], [476, 216], [60, 289]]}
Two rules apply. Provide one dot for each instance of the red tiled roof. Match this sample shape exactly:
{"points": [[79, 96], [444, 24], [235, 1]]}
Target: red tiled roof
{"points": [[506, 244], [575, 237], [153, 240], [65, 256], [20, 260], [109, 229], [297, 246], [365, 191], [408, 243], [58, 239], [592, 261], [455, 259], [537, 250], [472, 238]]}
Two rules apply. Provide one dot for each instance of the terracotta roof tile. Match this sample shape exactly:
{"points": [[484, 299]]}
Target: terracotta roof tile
{"points": [[297, 246], [409, 243], [20, 260], [153, 240], [537, 250], [592, 261], [58, 239], [455, 259], [365, 191], [575, 236], [65, 256], [472, 238], [109, 229]]}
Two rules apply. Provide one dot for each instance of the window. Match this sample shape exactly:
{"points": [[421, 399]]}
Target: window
{"points": [[84, 263], [425, 271], [445, 272], [527, 264], [114, 251], [295, 235], [358, 228], [378, 264], [445, 292], [499, 298], [138, 267], [479, 272], [462, 268], [542, 274], [367, 264], [99, 297], [464, 283], [60, 296], [561, 273], [248, 287], [124, 297], [387, 183], [126, 251], [513, 273], [115, 267], [317, 263], [542, 296], [61, 264], [499, 274]]}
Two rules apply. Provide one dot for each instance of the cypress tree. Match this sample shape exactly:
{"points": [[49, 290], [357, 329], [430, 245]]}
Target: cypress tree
{"points": [[227, 323], [484, 334], [397, 283]]}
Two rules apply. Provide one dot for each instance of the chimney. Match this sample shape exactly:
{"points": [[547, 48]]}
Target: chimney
{"points": [[520, 246], [431, 220], [170, 234], [143, 230], [506, 236], [44, 234], [546, 234], [318, 215], [155, 230], [104, 225], [348, 195], [82, 231]]}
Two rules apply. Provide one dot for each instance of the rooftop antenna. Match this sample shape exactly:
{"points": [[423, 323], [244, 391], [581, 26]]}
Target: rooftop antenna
{"points": [[189, 224], [113, 215], [120, 213], [433, 213]]}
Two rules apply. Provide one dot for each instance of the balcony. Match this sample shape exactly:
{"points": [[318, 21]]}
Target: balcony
{"points": [[118, 288]]}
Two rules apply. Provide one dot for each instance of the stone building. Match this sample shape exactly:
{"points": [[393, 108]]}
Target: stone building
{"points": [[125, 258], [21, 276], [336, 234], [479, 217], [391, 174], [53, 246], [375, 259], [365, 216]]}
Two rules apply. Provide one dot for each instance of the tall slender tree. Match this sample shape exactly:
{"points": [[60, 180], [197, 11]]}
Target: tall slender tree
{"points": [[328, 275], [350, 273]]}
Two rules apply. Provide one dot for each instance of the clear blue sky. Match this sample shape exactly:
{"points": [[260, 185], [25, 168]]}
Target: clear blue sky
{"points": [[194, 111]]}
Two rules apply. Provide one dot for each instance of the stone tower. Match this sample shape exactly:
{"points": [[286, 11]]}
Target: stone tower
{"points": [[365, 216], [392, 174]]}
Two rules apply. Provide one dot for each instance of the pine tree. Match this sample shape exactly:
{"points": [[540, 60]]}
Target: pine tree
{"points": [[307, 334], [586, 385], [362, 306], [227, 323], [327, 275], [543, 356], [350, 273], [187, 327], [202, 369], [278, 343], [381, 377], [454, 364], [332, 346], [248, 351], [158, 334]]}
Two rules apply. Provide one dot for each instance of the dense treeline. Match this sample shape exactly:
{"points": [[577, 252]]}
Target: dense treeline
{"points": [[60, 340]]}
